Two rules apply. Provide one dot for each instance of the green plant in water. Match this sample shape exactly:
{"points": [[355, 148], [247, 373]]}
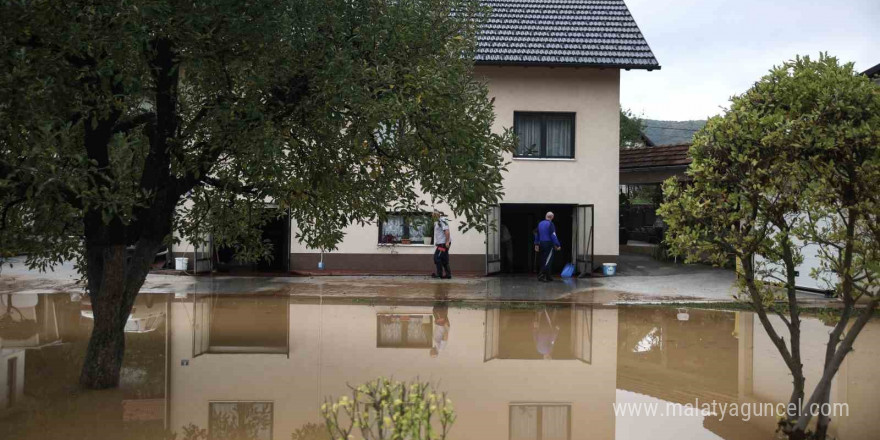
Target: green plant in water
{"points": [[387, 409]]}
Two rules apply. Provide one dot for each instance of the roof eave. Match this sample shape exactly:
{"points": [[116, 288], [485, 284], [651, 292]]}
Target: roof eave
{"points": [[647, 67]]}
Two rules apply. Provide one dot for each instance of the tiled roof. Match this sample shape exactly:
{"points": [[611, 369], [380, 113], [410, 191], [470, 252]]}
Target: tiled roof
{"points": [[650, 157], [598, 33]]}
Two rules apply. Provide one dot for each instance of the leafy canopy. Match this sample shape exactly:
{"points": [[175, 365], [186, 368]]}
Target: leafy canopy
{"points": [[122, 121]]}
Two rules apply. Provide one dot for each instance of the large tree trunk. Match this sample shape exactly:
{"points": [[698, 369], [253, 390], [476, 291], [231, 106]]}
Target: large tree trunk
{"points": [[106, 348], [112, 299]]}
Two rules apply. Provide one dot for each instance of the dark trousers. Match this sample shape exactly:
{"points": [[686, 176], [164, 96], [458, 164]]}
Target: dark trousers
{"points": [[546, 259], [441, 260]]}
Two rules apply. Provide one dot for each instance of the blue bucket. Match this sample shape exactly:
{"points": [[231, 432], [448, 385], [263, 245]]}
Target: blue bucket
{"points": [[568, 270], [609, 269]]}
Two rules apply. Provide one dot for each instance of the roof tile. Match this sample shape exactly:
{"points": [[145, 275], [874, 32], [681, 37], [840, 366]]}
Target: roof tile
{"points": [[563, 32], [649, 157]]}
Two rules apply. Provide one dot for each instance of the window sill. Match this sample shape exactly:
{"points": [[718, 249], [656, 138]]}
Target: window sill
{"points": [[405, 245], [548, 159]]}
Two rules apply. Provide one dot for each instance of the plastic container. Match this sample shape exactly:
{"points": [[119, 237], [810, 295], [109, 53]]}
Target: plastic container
{"points": [[609, 269], [181, 263]]}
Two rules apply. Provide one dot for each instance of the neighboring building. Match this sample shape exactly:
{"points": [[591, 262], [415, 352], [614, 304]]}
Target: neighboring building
{"points": [[642, 170], [553, 70], [873, 73]]}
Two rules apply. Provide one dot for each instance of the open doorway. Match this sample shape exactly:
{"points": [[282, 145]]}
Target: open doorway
{"points": [[277, 233], [518, 224]]}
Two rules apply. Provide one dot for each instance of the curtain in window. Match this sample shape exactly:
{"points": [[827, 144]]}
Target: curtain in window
{"points": [[394, 227], [554, 423], [528, 128], [390, 331], [559, 136], [523, 422]]}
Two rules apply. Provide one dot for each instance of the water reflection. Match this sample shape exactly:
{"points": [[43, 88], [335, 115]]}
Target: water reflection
{"points": [[258, 367]]}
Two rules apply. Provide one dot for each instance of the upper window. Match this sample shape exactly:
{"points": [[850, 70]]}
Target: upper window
{"points": [[547, 135]]}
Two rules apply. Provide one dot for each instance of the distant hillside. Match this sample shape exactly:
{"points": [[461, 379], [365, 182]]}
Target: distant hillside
{"points": [[671, 132]]}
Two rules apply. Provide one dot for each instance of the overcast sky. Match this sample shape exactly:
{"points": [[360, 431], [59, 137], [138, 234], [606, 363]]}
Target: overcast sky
{"points": [[712, 49]]}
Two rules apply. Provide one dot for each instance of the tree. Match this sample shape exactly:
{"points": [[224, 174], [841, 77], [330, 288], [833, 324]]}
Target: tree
{"points": [[121, 122], [795, 160], [631, 126]]}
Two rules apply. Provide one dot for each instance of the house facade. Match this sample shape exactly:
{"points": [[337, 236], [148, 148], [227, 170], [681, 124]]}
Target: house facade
{"points": [[553, 70]]}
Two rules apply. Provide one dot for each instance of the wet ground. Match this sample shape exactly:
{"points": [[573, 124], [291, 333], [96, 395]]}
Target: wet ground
{"points": [[518, 364]]}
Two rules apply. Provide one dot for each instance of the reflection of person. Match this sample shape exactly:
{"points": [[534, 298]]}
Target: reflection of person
{"points": [[545, 243], [544, 332], [443, 241], [507, 248], [441, 328]]}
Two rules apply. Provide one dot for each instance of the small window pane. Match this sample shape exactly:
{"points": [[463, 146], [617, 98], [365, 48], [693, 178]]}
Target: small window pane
{"points": [[554, 423], [523, 422], [392, 229], [528, 128], [406, 226], [559, 136]]}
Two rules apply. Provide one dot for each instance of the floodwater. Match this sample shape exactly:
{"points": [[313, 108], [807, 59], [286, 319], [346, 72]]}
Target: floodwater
{"points": [[258, 367]]}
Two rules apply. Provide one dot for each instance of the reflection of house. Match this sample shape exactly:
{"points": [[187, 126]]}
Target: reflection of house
{"points": [[145, 315], [727, 357], [333, 345]]}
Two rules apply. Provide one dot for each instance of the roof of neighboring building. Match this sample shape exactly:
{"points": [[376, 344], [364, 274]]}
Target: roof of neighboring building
{"points": [[595, 33], [652, 157], [872, 72]]}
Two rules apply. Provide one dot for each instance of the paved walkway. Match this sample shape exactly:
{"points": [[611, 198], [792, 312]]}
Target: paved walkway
{"points": [[640, 279]]}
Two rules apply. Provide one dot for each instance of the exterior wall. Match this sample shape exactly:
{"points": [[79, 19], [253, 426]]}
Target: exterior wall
{"points": [[591, 177]]}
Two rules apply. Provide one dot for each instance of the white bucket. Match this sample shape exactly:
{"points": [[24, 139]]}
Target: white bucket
{"points": [[609, 269], [181, 263]]}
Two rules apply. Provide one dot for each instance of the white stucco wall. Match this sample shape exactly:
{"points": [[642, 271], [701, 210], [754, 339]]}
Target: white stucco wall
{"points": [[590, 178]]}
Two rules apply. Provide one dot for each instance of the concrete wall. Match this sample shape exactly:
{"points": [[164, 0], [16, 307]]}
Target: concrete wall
{"points": [[335, 345]]}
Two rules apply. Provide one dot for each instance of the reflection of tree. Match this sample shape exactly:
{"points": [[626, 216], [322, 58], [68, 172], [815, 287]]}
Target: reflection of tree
{"points": [[311, 431], [240, 421], [13, 325]]}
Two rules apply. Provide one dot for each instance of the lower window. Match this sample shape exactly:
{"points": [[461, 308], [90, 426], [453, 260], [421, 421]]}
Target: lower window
{"points": [[240, 420], [406, 228], [540, 422]]}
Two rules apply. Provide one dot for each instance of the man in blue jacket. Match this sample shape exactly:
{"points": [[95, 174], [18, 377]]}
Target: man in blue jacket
{"points": [[545, 243]]}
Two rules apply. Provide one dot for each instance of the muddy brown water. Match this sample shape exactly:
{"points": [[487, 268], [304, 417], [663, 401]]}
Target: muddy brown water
{"points": [[259, 366]]}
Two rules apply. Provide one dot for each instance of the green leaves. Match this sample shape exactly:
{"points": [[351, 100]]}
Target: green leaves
{"points": [[794, 161], [384, 408], [140, 113]]}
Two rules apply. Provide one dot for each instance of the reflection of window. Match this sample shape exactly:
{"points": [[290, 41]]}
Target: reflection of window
{"points": [[540, 422], [398, 227], [404, 330], [240, 420], [544, 134], [11, 381], [241, 324], [558, 333]]}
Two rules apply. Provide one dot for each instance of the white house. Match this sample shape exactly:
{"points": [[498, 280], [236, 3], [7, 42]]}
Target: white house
{"points": [[553, 69]]}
